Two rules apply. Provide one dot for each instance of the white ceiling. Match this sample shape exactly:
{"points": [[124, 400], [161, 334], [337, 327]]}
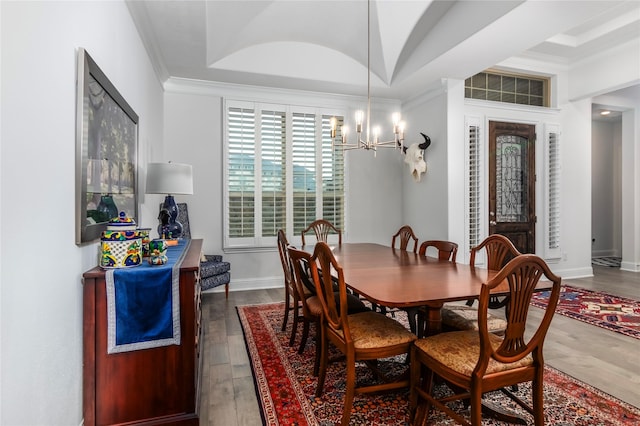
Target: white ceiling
{"points": [[321, 45]]}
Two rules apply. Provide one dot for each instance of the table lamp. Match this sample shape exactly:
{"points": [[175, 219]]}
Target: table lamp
{"points": [[169, 178]]}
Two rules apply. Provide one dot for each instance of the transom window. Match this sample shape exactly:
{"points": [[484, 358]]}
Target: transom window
{"points": [[281, 172], [509, 88]]}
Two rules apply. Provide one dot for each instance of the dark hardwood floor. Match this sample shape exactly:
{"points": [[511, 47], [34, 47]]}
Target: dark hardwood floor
{"points": [[604, 359]]}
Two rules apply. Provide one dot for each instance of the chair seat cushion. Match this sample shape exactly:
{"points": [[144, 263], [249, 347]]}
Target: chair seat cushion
{"points": [[210, 269], [314, 305], [462, 317], [459, 350], [215, 281], [373, 330]]}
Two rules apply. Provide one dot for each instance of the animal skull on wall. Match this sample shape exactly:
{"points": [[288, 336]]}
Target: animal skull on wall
{"points": [[414, 157]]}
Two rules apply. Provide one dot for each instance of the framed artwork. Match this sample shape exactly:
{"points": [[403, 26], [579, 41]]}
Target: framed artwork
{"points": [[106, 152]]}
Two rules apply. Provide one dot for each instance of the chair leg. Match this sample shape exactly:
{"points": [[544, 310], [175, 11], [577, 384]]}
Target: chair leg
{"points": [[296, 318], [537, 397], [324, 355], [286, 308], [316, 362], [350, 389], [476, 407], [305, 335], [226, 291]]}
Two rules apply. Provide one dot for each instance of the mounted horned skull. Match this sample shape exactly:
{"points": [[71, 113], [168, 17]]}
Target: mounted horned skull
{"points": [[414, 157]]}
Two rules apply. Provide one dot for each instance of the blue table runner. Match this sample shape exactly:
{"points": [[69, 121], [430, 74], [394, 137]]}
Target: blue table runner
{"points": [[143, 304]]}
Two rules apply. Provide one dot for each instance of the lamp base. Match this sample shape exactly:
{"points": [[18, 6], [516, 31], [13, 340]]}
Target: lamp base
{"points": [[169, 226]]}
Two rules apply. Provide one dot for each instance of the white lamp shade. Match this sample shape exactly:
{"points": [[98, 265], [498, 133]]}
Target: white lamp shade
{"points": [[169, 178]]}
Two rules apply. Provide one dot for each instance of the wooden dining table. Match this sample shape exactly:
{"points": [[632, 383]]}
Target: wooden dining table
{"points": [[400, 279]]}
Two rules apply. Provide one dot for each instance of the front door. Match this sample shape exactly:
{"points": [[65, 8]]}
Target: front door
{"points": [[512, 183]]}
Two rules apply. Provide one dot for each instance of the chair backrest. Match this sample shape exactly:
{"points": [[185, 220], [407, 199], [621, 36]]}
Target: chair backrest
{"points": [[301, 260], [287, 266], [322, 228], [405, 234], [183, 218], [447, 250], [522, 273], [327, 272], [500, 250]]}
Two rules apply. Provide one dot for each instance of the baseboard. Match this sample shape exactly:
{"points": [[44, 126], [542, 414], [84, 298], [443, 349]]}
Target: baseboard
{"points": [[568, 274], [605, 253], [630, 266], [249, 284]]}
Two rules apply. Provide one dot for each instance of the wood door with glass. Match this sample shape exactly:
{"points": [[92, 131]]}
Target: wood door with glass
{"points": [[512, 183]]}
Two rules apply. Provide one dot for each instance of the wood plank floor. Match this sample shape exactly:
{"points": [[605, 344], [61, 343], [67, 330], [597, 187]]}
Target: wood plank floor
{"points": [[607, 360]]}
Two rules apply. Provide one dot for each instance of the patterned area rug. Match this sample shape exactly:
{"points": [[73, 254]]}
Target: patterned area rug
{"points": [[285, 386], [604, 310], [613, 262]]}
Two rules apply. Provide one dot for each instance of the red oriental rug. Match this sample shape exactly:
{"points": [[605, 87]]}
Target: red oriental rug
{"points": [[593, 307], [285, 386]]}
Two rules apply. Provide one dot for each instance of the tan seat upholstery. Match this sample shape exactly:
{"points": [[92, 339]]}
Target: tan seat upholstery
{"points": [[475, 362]]}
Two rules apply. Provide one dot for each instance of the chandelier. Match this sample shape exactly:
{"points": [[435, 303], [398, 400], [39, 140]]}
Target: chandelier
{"points": [[371, 140]]}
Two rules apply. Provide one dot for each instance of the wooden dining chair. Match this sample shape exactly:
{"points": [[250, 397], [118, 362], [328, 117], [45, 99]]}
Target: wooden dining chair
{"points": [[311, 306], [499, 250], [475, 362], [365, 336], [292, 299], [446, 250], [322, 228], [405, 235]]}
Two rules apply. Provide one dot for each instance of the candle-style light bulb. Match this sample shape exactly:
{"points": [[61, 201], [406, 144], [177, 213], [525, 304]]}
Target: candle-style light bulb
{"points": [[395, 118], [376, 133], [344, 130], [359, 119], [401, 127], [332, 122]]}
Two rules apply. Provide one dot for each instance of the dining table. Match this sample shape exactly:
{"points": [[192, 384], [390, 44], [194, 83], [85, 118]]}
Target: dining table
{"points": [[397, 278]]}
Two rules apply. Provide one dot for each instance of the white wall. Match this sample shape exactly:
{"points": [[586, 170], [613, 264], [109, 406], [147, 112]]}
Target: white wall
{"points": [[425, 202], [41, 270], [605, 188], [194, 133]]}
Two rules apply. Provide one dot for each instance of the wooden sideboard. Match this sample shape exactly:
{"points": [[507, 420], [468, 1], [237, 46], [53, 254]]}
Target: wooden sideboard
{"points": [[148, 386]]}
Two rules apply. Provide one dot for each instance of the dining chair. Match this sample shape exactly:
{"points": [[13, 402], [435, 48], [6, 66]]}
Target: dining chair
{"points": [[499, 250], [322, 228], [474, 362], [365, 336], [446, 250], [292, 299], [311, 306], [404, 235]]}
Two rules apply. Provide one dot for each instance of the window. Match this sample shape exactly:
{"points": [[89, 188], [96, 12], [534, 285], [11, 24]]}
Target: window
{"points": [[281, 172], [552, 186], [509, 88], [475, 182]]}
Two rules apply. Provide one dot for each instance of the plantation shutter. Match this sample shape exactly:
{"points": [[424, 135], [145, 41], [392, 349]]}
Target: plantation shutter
{"points": [[332, 175], [475, 183], [273, 154], [241, 172], [304, 170], [553, 192]]}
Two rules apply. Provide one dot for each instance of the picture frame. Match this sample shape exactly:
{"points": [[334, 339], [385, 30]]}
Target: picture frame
{"points": [[106, 152]]}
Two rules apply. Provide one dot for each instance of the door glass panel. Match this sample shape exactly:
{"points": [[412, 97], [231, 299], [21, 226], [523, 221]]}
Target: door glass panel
{"points": [[511, 178]]}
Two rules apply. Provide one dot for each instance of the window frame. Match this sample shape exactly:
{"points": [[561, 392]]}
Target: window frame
{"points": [[258, 242]]}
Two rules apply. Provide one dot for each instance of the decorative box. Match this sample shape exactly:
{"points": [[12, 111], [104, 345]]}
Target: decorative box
{"points": [[121, 244]]}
